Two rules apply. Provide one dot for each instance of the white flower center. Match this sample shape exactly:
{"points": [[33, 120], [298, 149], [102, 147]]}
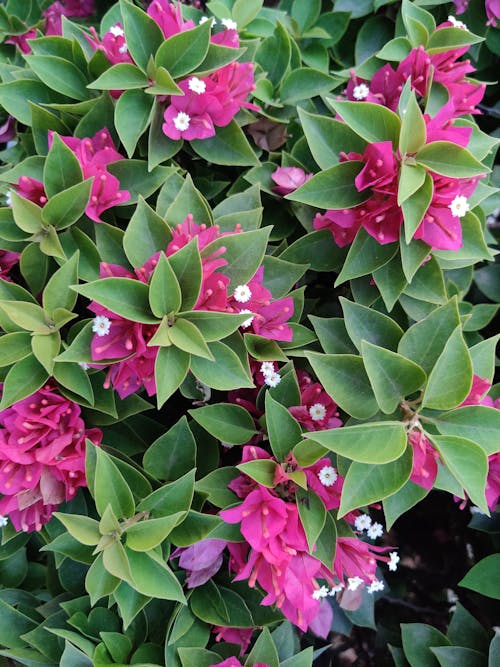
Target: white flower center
{"points": [[101, 325], [197, 85], [363, 522], [182, 121], [393, 563], [123, 48], [249, 321], [360, 92], [456, 23], [375, 530], [317, 412], [336, 589], [242, 293], [229, 24], [375, 586], [3, 520], [273, 379], [327, 476], [353, 583], [459, 206], [320, 593], [116, 31]]}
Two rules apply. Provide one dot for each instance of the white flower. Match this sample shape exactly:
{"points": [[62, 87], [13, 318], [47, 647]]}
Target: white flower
{"points": [[181, 121], [327, 476], [459, 206], [375, 530], [3, 520], [317, 412], [336, 589], [393, 563], [353, 583], [456, 23], [273, 379], [320, 593], [116, 31], [375, 586], [204, 19], [197, 85], [242, 293], [267, 367], [123, 48], [363, 522], [229, 24], [360, 92], [8, 198], [249, 321], [83, 365], [101, 325]]}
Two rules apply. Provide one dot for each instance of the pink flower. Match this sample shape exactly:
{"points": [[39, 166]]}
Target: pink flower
{"points": [[168, 17], [288, 179], [80, 8], [31, 189], [425, 458], [113, 44], [53, 18], [241, 636], [8, 129], [492, 11], [355, 558], [380, 170], [189, 116], [7, 261], [493, 481], [461, 6], [477, 394], [322, 624], [42, 456], [228, 662], [317, 411], [201, 561], [21, 41]]}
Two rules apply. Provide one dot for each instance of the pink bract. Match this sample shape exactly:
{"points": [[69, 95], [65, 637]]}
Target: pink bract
{"points": [[168, 17], [288, 179]]}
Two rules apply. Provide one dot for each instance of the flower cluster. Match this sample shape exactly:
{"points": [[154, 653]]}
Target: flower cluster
{"points": [[42, 456]]}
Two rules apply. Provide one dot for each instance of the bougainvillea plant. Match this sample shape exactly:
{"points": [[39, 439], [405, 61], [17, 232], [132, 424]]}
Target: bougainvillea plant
{"points": [[248, 284]]}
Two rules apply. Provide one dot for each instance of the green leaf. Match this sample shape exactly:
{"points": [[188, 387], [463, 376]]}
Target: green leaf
{"points": [[332, 335], [110, 487], [417, 640], [122, 76], [123, 296], [183, 52], [318, 249], [189, 199], [146, 234], [451, 377], [372, 122], [465, 630], [135, 176], [367, 324], [169, 498], [225, 372], [374, 443], [27, 215], [228, 147], [344, 377], [411, 179], [467, 462], [415, 206], [304, 83], [67, 207], [16, 97], [227, 422], [244, 254], [449, 38], [428, 283], [45, 348], [312, 515], [449, 159], [22, 380], [148, 534], [283, 430], [152, 577], [366, 483], [143, 35], [449, 656], [173, 454], [274, 53], [400, 502], [57, 293], [14, 347], [164, 291], [99, 582], [82, 528], [261, 470], [163, 85], [365, 255], [397, 49], [214, 325], [263, 650], [392, 376], [137, 105], [207, 604], [27, 316], [59, 74], [483, 577], [478, 423], [333, 188], [14, 624], [215, 486], [171, 367], [245, 11], [187, 337], [62, 169]]}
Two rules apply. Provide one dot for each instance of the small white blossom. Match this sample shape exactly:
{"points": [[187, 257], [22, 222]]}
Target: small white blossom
{"points": [[459, 206], [336, 589], [249, 321], [363, 522], [83, 365], [375, 586], [116, 31], [229, 24], [182, 121], [123, 48], [320, 593], [353, 583], [101, 325], [267, 367], [273, 379], [197, 85], [242, 293], [8, 198], [3, 520], [204, 19], [456, 23], [375, 530], [393, 563], [327, 476], [360, 92], [317, 412]]}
